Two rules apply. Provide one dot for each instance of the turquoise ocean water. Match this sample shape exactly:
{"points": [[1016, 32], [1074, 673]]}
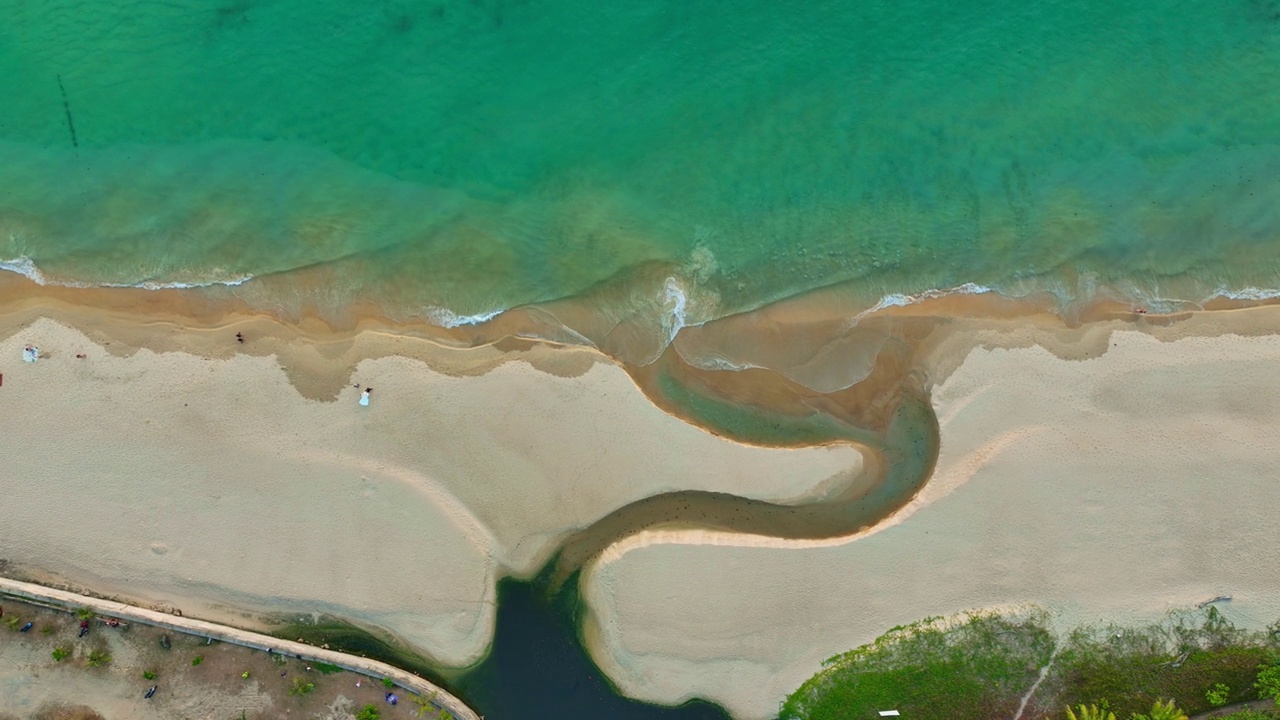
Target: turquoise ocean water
{"points": [[451, 159]]}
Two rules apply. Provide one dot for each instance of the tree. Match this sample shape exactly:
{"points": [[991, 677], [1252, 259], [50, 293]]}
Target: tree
{"points": [[1162, 711], [1090, 712]]}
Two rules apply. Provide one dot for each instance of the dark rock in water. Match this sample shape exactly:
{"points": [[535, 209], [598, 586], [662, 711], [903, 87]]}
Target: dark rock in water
{"points": [[164, 642]]}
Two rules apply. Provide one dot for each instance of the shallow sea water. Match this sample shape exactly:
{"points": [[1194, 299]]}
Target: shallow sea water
{"points": [[473, 156]]}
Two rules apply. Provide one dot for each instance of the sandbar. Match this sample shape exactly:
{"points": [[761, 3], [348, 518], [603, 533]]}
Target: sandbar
{"points": [[1116, 470], [235, 481]]}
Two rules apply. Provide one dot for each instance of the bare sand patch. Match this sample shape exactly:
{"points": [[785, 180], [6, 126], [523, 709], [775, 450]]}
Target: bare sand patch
{"points": [[215, 486], [1121, 485]]}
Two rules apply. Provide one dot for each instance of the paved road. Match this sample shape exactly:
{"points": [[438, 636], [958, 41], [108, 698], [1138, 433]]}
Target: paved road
{"points": [[177, 623]]}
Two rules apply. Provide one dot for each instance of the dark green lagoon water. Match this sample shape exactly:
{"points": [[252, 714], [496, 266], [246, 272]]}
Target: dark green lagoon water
{"points": [[538, 670]]}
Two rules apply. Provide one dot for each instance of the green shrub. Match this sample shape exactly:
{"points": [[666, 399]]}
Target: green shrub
{"points": [[326, 668], [1247, 715], [61, 653], [1217, 695], [197, 660], [148, 674], [1268, 683], [301, 687], [1090, 712], [388, 683], [98, 658], [368, 712], [1162, 711]]}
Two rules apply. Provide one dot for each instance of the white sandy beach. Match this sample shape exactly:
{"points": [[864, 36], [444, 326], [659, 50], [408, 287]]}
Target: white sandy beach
{"points": [[1118, 487], [214, 486]]}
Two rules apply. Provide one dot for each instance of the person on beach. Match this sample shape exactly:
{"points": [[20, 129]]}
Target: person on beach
{"points": [[364, 396], [240, 338]]}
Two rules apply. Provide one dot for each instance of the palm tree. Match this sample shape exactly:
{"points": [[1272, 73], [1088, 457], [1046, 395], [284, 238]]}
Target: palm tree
{"points": [[1090, 712], [1163, 711]]}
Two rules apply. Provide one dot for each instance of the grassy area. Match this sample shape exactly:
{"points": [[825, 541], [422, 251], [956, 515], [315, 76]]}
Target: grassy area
{"points": [[1181, 659], [982, 665], [972, 669]]}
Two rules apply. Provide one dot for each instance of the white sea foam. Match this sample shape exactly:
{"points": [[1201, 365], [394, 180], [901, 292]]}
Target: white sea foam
{"points": [[900, 300], [1248, 293], [446, 318], [28, 269], [23, 266], [674, 298]]}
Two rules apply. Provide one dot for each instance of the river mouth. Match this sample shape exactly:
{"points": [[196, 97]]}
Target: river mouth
{"points": [[538, 665]]}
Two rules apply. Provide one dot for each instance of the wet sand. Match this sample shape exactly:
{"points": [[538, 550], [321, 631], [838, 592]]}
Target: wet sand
{"points": [[1113, 470]]}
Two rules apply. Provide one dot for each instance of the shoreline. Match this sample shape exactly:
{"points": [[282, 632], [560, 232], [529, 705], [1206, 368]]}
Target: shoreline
{"points": [[304, 366]]}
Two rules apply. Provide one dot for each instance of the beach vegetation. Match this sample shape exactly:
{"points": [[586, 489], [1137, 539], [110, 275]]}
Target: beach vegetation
{"points": [[197, 660], [977, 666], [1268, 682], [48, 629], [60, 653], [1248, 715], [13, 621], [984, 665], [301, 687], [244, 675], [148, 674], [369, 712], [326, 668], [1217, 695], [445, 715], [1161, 711], [388, 683], [98, 658], [85, 613], [1090, 712], [424, 703]]}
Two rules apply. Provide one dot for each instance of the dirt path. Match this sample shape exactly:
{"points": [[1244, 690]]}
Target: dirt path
{"points": [[223, 633], [1259, 705]]}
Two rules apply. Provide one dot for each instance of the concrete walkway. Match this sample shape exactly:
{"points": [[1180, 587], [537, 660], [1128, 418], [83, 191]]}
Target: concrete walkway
{"points": [[72, 601]]}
